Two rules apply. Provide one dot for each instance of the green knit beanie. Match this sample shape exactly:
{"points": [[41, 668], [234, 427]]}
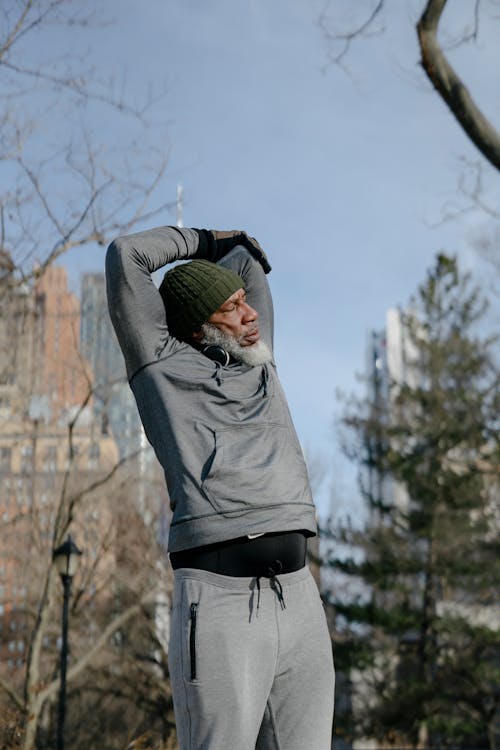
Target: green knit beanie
{"points": [[191, 292]]}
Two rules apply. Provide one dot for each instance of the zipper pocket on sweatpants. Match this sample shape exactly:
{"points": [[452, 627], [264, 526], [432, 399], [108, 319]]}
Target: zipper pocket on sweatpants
{"points": [[192, 640]]}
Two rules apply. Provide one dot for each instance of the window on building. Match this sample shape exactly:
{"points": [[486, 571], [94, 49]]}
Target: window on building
{"points": [[5, 459], [27, 459], [50, 459], [94, 454]]}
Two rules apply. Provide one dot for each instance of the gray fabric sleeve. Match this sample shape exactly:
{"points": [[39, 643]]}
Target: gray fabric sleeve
{"points": [[257, 289], [135, 305]]}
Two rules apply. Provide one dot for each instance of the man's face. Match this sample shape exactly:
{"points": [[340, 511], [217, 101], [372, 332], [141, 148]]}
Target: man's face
{"points": [[237, 319]]}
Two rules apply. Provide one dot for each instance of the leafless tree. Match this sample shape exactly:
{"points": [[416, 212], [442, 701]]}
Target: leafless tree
{"points": [[434, 61], [66, 476], [66, 181], [119, 590]]}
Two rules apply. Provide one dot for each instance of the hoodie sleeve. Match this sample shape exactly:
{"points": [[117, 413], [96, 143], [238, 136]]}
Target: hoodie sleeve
{"points": [[135, 305], [257, 288]]}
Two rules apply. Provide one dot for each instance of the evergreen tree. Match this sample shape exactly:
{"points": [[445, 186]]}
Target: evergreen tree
{"points": [[418, 631]]}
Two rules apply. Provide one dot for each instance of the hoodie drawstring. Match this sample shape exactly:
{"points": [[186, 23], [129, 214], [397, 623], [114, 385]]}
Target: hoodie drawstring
{"points": [[218, 374], [264, 381]]}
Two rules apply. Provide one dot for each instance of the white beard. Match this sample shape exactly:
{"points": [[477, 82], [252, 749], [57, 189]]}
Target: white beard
{"points": [[253, 355]]}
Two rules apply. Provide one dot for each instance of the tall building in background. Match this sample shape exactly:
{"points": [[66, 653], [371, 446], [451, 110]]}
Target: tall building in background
{"points": [[62, 376], [17, 342], [43, 375], [390, 354], [67, 418], [44, 382], [34, 460], [114, 407], [389, 365], [113, 404]]}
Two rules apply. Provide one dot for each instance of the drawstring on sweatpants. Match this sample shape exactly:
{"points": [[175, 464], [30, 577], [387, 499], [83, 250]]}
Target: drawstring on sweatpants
{"points": [[275, 584], [258, 594]]}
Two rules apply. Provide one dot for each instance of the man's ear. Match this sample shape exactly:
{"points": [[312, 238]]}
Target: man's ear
{"points": [[197, 336]]}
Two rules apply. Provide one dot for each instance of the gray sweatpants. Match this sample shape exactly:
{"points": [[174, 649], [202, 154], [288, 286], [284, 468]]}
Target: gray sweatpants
{"points": [[246, 673]]}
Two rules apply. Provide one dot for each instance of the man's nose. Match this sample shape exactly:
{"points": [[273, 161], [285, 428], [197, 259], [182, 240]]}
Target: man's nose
{"points": [[249, 314]]}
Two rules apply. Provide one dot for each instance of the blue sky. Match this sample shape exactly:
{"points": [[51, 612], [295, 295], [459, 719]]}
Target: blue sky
{"points": [[340, 176]]}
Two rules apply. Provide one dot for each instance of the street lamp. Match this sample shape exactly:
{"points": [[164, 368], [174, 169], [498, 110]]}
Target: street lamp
{"points": [[66, 560]]}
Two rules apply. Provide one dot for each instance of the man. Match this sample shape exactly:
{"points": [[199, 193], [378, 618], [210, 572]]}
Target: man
{"points": [[250, 656]]}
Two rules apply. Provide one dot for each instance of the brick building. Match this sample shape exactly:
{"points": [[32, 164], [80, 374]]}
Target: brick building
{"points": [[62, 375], [44, 382], [34, 463]]}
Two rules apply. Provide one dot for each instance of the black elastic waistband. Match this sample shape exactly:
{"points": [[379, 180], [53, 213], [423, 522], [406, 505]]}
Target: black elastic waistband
{"points": [[265, 556]]}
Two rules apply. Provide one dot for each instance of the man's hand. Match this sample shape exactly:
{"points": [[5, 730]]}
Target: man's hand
{"points": [[221, 242], [242, 238]]}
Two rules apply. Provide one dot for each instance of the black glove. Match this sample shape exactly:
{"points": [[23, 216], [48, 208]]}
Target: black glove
{"points": [[214, 245]]}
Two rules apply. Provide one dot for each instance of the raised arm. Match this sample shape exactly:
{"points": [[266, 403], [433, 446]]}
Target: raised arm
{"points": [[242, 262], [135, 305]]}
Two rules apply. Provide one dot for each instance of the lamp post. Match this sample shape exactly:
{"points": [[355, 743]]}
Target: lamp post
{"points": [[66, 560]]}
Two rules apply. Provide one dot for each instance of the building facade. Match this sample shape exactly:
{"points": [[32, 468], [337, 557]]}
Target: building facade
{"points": [[113, 402]]}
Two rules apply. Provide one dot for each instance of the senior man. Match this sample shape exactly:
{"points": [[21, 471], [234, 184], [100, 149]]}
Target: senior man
{"points": [[250, 655]]}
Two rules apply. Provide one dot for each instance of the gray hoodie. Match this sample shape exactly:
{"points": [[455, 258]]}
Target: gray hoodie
{"points": [[223, 435]]}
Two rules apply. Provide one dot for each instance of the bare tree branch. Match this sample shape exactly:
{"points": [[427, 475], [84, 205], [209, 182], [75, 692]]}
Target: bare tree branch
{"points": [[78, 88], [17, 29], [43, 198], [470, 199], [443, 77], [471, 35], [69, 187], [14, 697], [346, 38], [90, 575], [451, 88], [475, 191], [103, 193], [100, 643]]}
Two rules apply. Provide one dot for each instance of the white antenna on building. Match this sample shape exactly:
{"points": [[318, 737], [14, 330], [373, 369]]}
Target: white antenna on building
{"points": [[180, 194]]}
